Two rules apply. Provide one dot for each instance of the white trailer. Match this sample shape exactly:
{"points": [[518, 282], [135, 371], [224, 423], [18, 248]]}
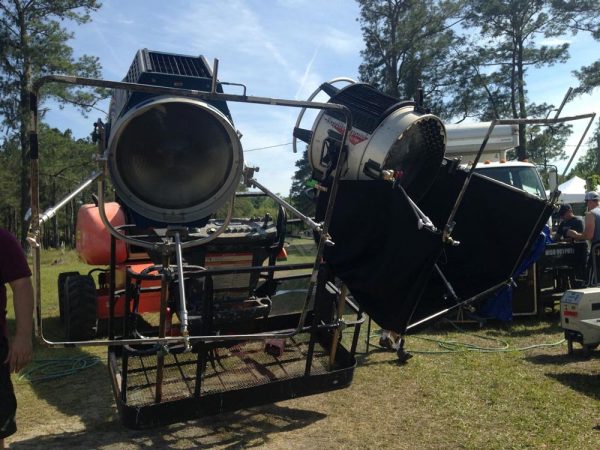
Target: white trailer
{"points": [[464, 141]]}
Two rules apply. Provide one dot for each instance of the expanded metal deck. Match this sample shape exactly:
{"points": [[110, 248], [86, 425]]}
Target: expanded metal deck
{"points": [[238, 376], [240, 366]]}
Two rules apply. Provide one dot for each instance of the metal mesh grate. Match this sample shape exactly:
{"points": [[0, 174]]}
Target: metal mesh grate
{"points": [[367, 105], [133, 74], [417, 155], [177, 65], [146, 61], [240, 366]]}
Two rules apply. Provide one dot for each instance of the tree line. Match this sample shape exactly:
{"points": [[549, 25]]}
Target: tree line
{"points": [[471, 58], [36, 43], [67, 162]]}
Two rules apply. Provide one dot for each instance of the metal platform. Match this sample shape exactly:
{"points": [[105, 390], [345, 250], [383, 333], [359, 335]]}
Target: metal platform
{"points": [[231, 377]]}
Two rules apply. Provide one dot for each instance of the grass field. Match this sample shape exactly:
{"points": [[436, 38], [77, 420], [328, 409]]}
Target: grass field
{"points": [[444, 397]]}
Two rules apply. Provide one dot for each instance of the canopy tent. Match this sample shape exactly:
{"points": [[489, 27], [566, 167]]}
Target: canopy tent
{"points": [[572, 190]]}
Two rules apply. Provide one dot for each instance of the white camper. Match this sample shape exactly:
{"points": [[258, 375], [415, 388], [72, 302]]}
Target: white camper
{"points": [[464, 141]]}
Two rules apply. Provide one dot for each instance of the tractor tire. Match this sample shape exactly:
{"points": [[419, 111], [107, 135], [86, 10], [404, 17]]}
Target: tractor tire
{"points": [[61, 296], [587, 350], [80, 308]]}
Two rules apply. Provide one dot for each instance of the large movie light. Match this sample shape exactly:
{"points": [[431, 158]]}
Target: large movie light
{"points": [[386, 135], [174, 160]]}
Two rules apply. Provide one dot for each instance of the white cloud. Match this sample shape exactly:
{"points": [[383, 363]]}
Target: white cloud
{"points": [[341, 42], [307, 73]]}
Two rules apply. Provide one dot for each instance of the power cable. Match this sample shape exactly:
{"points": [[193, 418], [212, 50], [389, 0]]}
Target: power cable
{"points": [[265, 148], [454, 346], [50, 369]]}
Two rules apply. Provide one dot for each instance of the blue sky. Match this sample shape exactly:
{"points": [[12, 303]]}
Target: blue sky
{"points": [[277, 48]]}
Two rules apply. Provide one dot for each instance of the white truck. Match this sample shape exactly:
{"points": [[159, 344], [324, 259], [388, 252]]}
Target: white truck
{"points": [[464, 141]]}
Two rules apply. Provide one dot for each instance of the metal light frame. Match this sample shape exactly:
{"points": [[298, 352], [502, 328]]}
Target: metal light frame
{"points": [[37, 220]]}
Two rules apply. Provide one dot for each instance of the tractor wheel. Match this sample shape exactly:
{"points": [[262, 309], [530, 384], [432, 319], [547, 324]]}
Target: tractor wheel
{"points": [[587, 350], [61, 296], [80, 307]]}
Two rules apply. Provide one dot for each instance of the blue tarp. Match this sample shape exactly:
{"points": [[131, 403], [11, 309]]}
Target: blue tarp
{"points": [[499, 306]]}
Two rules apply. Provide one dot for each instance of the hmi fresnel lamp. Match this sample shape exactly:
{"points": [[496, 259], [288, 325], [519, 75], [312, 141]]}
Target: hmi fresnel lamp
{"points": [[172, 160], [387, 135]]}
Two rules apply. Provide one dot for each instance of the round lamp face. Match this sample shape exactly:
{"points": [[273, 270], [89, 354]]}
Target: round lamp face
{"points": [[175, 161], [417, 154]]}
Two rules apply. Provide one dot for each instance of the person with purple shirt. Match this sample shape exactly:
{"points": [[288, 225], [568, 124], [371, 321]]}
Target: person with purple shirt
{"points": [[14, 353]]}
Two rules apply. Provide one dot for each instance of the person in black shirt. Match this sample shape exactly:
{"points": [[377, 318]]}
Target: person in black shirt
{"points": [[568, 221]]}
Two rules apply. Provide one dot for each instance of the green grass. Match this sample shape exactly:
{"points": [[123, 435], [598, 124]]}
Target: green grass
{"points": [[539, 398], [53, 263]]}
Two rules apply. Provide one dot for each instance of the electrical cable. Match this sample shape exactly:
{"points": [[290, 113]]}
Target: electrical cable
{"points": [[454, 346], [50, 369], [264, 148]]}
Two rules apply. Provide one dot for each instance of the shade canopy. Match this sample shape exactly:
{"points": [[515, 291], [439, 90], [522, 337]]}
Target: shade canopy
{"points": [[572, 191]]}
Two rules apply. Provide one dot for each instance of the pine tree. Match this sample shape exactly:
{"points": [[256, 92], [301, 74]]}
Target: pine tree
{"points": [[589, 163], [589, 81], [10, 163], [301, 177], [34, 43], [407, 42], [508, 43]]}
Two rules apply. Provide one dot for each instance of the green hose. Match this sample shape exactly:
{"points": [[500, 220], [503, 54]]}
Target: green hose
{"points": [[456, 346], [50, 369], [453, 346]]}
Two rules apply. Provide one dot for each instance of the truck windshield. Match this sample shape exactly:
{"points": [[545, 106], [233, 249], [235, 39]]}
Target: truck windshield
{"points": [[524, 178]]}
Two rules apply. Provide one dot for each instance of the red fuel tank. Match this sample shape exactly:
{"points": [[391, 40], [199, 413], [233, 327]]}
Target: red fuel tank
{"points": [[93, 239]]}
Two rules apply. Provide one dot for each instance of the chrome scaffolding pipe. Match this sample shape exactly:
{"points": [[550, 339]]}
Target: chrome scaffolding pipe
{"points": [[51, 212], [307, 220], [183, 312], [459, 199]]}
